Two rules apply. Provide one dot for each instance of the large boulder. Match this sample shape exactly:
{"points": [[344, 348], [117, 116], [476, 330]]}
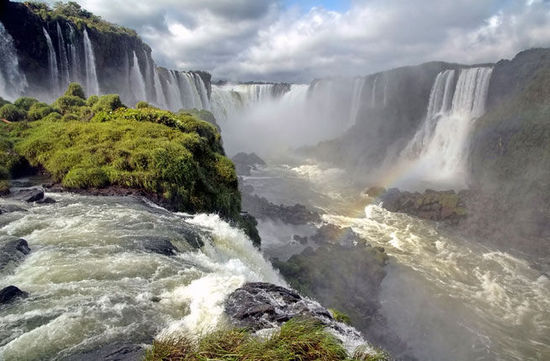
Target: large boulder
{"points": [[246, 162], [10, 294]]}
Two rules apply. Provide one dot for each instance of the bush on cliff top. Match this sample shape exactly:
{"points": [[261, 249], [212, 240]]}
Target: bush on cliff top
{"points": [[177, 158]]}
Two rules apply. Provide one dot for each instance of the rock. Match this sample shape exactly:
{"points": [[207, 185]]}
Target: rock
{"points": [[8, 208], [116, 352], [10, 294], [263, 305], [246, 162], [261, 208], [28, 194], [331, 234], [446, 206], [160, 246], [13, 251], [302, 240], [46, 200]]}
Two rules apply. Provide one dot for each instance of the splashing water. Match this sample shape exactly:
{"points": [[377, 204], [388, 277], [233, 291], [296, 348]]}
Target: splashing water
{"points": [[92, 282], [450, 299]]}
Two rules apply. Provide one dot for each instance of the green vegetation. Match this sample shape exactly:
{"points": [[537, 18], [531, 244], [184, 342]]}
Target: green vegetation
{"points": [[340, 316], [98, 142], [73, 12], [302, 340]]}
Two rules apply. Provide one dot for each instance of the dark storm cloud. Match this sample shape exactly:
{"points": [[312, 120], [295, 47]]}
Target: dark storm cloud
{"points": [[264, 40]]}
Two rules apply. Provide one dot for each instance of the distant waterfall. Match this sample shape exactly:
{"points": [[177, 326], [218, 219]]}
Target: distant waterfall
{"points": [[441, 144], [229, 99], [65, 77], [358, 85], [137, 83], [373, 93], [74, 55], [12, 81], [52, 64], [92, 84], [160, 97], [174, 92]]}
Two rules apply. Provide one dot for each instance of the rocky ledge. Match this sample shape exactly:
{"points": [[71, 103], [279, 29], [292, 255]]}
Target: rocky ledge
{"points": [[447, 206]]}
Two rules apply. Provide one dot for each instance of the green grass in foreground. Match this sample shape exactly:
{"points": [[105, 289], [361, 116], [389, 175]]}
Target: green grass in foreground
{"points": [[297, 340]]}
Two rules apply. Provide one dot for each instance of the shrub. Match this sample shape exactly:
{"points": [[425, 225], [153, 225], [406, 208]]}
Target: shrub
{"points": [[68, 103], [12, 113], [107, 103], [25, 103], [92, 100], [39, 111], [75, 90], [143, 104], [3, 102], [91, 177]]}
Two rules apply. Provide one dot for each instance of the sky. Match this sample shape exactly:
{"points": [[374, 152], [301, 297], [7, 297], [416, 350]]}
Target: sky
{"points": [[300, 40]]}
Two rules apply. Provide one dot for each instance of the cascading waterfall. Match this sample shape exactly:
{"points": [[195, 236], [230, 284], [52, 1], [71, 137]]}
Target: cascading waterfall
{"points": [[12, 81], [92, 84], [174, 92], [442, 141], [65, 78], [74, 54], [358, 85], [52, 63], [191, 97], [137, 82], [373, 95], [160, 97]]}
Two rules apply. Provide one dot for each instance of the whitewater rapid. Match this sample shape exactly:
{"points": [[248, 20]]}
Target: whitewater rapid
{"points": [[92, 282]]}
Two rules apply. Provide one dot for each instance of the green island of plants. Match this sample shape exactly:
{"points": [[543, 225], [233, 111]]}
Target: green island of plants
{"points": [[98, 142], [297, 339]]}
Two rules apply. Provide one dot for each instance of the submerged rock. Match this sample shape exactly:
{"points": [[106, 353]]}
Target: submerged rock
{"points": [[261, 208], [28, 194], [160, 246], [8, 208], [13, 251], [117, 352], [10, 294]]}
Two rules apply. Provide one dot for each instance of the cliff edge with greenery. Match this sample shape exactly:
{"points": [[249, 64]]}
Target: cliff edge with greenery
{"points": [[98, 143]]}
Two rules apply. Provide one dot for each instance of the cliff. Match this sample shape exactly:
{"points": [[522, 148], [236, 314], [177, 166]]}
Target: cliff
{"points": [[67, 43]]}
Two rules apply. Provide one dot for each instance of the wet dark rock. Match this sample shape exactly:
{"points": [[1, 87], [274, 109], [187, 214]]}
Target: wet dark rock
{"points": [[331, 234], [261, 208], [46, 200], [10, 294], [8, 208], [249, 225], [28, 194], [246, 162], [13, 251], [160, 246], [447, 206], [261, 305], [298, 238], [117, 352]]}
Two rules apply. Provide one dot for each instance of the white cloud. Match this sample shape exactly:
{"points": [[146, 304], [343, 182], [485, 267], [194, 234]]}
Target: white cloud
{"points": [[263, 40]]}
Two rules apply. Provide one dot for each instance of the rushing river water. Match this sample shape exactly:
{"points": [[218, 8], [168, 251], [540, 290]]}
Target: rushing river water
{"points": [[448, 298], [92, 282]]}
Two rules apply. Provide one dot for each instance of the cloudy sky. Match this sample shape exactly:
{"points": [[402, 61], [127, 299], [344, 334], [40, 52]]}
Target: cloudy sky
{"points": [[294, 40]]}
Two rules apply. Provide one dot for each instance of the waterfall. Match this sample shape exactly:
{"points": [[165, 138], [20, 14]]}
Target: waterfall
{"points": [[441, 143], [373, 99], [92, 85], [203, 93], [191, 98], [65, 78], [12, 81], [52, 63], [358, 85], [159, 92], [137, 84], [174, 92], [74, 54]]}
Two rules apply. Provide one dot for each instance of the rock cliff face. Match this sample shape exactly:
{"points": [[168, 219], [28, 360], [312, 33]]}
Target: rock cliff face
{"points": [[68, 43]]}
